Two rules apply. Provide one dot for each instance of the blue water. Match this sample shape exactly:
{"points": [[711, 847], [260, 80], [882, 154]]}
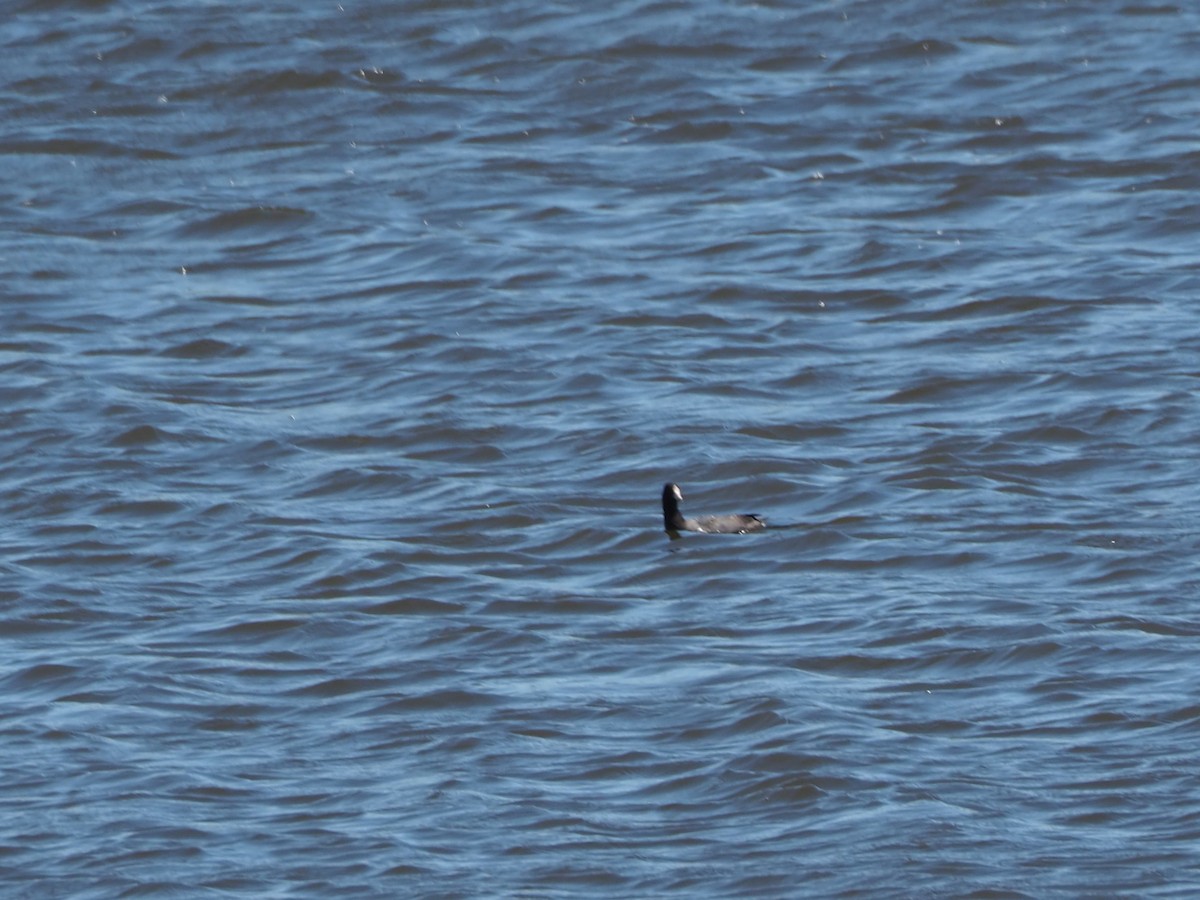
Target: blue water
{"points": [[345, 350]]}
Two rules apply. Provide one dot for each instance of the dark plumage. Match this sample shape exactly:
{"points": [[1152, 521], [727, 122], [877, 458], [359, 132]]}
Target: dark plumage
{"points": [[674, 521]]}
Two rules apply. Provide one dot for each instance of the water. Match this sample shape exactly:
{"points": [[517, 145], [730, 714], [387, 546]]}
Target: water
{"points": [[344, 350]]}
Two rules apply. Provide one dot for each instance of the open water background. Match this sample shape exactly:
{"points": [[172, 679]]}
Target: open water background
{"points": [[344, 350]]}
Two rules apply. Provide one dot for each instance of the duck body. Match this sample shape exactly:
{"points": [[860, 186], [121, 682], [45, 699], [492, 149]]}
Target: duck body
{"points": [[732, 523]]}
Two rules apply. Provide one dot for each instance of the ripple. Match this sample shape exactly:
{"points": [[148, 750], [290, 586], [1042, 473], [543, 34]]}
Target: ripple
{"points": [[339, 398]]}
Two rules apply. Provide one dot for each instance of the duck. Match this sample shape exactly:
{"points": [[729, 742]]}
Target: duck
{"points": [[730, 523]]}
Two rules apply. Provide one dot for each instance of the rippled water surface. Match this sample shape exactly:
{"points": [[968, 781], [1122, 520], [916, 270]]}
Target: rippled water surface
{"points": [[345, 349]]}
